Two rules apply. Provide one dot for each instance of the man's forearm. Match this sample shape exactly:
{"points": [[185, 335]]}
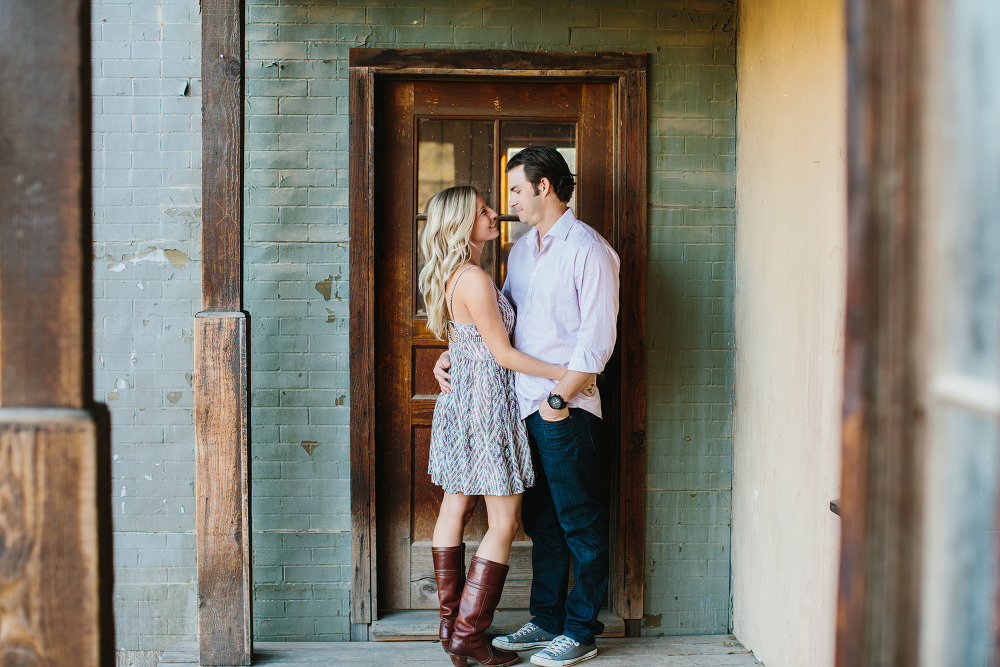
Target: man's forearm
{"points": [[572, 383]]}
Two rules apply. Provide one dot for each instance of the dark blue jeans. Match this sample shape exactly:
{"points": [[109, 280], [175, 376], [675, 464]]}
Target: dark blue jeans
{"points": [[563, 515]]}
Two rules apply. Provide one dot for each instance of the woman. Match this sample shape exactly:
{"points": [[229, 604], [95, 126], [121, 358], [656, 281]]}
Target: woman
{"points": [[478, 443]]}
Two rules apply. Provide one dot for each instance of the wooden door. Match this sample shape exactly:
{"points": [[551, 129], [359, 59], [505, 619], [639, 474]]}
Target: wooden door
{"points": [[431, 134]]}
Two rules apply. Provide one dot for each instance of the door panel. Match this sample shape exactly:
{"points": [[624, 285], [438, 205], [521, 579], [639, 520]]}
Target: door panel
{"points": [[430, 135]]}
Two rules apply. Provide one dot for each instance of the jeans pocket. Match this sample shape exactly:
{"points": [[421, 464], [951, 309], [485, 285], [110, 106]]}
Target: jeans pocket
{"points": [[559, 437]]}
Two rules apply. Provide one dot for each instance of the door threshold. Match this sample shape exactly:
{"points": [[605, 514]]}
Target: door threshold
{"points": [[397, 625]]}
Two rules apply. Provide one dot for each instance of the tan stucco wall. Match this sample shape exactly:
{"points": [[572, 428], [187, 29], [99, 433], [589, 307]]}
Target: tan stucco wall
{"points": [[790, 259]]}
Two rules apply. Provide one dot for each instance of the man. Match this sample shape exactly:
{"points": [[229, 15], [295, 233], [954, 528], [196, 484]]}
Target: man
{"points": [[562, 278]]}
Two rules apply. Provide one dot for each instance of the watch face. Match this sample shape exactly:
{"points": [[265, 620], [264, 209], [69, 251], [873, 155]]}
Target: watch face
{"points": [[556, 402]]}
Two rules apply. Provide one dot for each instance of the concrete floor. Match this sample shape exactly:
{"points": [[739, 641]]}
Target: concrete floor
{"points": [[693, 651]]}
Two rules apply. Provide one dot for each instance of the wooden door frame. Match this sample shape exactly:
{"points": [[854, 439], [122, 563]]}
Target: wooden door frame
{"points": [[628, 72]]}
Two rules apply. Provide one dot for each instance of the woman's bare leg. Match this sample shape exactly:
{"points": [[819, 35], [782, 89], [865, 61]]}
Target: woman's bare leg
{"points": [[456, 510], [504, 514]]}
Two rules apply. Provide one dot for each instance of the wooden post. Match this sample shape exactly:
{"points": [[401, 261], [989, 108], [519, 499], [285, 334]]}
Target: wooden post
{"points": [[364, 594], [629, 547], [222, 488], [221, 404], [54, 467], [883, 427]]}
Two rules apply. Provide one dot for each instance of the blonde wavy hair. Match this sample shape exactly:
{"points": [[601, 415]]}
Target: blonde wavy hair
{"points": [[444, 246]]}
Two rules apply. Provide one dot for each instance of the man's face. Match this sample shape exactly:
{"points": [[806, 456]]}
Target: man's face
{"points": [[522, 197]]}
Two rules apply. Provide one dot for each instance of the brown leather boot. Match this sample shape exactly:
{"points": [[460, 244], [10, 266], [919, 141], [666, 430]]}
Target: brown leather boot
{"points": [[482, 592], [449, 571]]}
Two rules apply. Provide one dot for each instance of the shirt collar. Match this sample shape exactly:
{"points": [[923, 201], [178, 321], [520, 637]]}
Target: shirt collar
{"points": [[560, 230]]}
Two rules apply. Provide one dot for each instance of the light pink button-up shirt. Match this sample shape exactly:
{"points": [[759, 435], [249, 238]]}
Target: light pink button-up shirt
{"points": [[566, 296]]}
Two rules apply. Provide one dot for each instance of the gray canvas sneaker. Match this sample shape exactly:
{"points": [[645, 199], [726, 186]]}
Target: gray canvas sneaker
{"points": [[563, 651], [528, 637]]}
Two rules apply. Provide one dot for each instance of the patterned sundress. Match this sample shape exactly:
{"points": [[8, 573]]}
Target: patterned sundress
{"points": [[478, 442]]}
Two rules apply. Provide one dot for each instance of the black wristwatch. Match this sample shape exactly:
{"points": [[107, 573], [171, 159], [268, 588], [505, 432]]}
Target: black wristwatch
{"points": [[557, 402]]}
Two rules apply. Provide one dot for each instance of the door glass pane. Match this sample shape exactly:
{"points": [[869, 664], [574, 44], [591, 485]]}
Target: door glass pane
{"points": [[518, 135], [965, 492], [452, 152], [975, 284]]}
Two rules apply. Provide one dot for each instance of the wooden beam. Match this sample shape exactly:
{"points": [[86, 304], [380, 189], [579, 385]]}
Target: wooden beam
{"points": [[362, 334], [222, 489], [878, 609], [221, 365], [222, 155], [516, 63], [50, 565], [55, 575], [629, 547], [44, 195]]}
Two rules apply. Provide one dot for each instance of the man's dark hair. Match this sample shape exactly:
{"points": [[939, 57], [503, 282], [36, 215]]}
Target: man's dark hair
{"points": [[545, 162]]}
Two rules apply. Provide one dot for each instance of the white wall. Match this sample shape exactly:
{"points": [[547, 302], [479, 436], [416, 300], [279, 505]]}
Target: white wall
{"points": [[790, 258]]}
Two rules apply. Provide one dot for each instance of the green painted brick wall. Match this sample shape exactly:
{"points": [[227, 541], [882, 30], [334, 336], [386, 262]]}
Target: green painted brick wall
{"points": [[146, 177], [296, 289]]}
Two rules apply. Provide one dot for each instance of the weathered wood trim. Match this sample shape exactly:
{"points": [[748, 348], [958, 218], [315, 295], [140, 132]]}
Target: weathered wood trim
{"points": [[362, 335], [222, 489], [50, 565], [55, 532], [630, 544], [221, 357], [883, 422], [222, 155], [44, 203], [629, 70], [497, 62]]}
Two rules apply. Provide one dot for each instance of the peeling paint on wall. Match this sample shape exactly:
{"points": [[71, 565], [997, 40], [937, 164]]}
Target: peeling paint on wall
{"points": [[151, 254], [325, 287], [173, 396], [176, 257]]}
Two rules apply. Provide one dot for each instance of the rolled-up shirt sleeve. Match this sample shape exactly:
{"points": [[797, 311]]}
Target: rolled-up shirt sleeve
{"points": [[596, 278]]}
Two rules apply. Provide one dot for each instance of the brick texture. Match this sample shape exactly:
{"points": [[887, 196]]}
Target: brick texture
{"points": [[146, 286], [146, 179]]}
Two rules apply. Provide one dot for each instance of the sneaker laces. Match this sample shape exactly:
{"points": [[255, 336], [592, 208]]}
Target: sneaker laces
{"points": [[525, 630], [560, 644]]}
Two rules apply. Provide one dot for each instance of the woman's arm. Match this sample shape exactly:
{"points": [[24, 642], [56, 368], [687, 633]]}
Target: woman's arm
{"points": [[476, 296]]}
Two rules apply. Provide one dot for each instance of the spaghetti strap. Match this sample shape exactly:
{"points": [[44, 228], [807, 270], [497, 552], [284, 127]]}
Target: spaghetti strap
{"points": [[451, 297]]}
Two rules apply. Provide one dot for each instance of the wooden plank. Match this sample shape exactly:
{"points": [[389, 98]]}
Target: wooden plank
{"points": [[586, 63], [50, 554], [222, 489], [55, 532], [698, 651], [563, 100], [362, 336], [630, 545], [878, 607], [222, 155], [44, 194]]}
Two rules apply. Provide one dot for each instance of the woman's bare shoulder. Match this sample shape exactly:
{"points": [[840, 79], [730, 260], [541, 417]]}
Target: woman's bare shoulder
{"points": [[475, 283]]}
